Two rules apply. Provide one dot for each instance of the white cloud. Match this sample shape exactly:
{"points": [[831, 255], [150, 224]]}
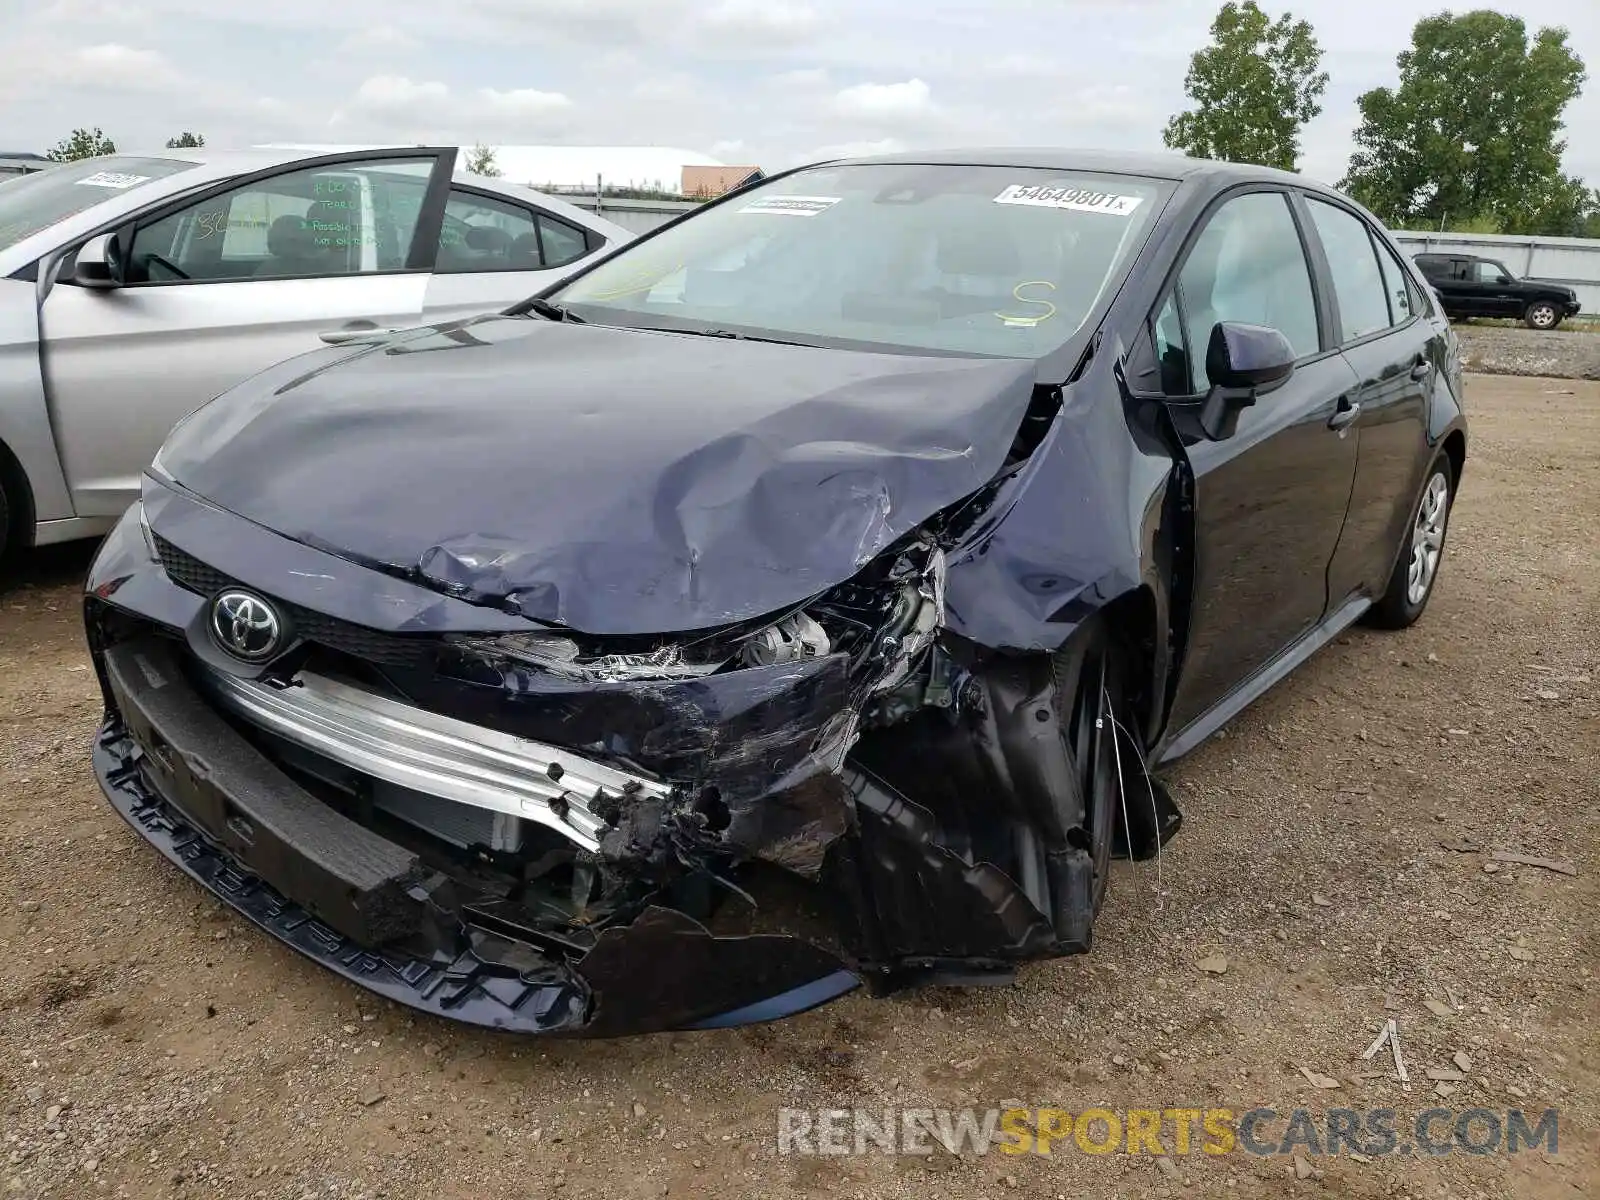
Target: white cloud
{"points": [[396, 95], [96, 13], [860, 149], [378, 41], [775, 21], [397, 106], [597, 22], [665, 89], [782, 78], [801, 79], [112, 66], [520, 103], [883, 102]]}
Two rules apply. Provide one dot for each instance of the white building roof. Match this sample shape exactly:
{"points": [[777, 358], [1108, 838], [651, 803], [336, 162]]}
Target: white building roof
{"points": [[659, 167]]}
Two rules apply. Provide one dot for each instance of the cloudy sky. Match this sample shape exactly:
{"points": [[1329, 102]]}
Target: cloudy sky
{"points": [[772, 82]]}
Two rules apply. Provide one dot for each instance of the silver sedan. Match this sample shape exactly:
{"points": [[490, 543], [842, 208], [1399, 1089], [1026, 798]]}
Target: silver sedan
{"points": [[134, 288]]}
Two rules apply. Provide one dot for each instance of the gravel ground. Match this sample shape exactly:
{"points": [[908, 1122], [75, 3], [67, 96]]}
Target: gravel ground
{"points": [[1570, 352], [151, 1045]]}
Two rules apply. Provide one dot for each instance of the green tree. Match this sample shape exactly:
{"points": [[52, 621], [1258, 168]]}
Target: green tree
{"points": [[1591, 220], [83, 143], [1253, 89], [186, 141], [480, 160], [1472, 132]]}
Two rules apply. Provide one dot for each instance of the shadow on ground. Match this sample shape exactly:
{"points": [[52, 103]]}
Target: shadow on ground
{"points": [[46, 567]]}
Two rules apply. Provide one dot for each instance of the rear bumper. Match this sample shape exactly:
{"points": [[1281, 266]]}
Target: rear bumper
{"points": [[367, 909]]}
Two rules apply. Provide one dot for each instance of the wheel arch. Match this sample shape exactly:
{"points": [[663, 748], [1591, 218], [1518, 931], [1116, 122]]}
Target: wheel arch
{"points": [[1455, 449], [1133, 622], [19, 499]]}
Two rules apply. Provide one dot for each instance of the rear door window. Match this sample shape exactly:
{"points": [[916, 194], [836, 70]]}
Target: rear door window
{"points": [[563, 243], [1358, 282], [483, 233], [1397, 285]]}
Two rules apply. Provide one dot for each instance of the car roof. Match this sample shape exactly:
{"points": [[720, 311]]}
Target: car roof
{"points": [[222, 163], [225, 162], [1173, 167]]}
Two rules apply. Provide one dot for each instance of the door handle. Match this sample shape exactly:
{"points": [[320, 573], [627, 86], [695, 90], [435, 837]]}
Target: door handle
{"points": [[1421, 369], [343, 337], [1345, 414]]}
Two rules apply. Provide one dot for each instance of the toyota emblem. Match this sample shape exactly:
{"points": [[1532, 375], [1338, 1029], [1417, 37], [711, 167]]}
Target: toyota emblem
{"points": [[246, 626]]}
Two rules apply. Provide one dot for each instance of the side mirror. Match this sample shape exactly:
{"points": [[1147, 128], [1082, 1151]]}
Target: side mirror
{"points": [[1243, 362], [1503, 279], [96, 265], [1248, 356]]}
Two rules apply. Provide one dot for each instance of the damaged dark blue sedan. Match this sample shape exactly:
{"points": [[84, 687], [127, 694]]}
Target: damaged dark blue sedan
{"points": [[806, 595]]}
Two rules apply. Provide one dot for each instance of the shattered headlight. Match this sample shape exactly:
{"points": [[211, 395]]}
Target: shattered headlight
{"points": [[563, 656], [883, 620], [792, 639]]}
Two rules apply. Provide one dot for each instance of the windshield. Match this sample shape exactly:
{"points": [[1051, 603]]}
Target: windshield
{"points": [[37, 201], [969, 259]]}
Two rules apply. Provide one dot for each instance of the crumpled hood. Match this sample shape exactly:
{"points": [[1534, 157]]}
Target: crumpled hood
{"points": [[616, 481]]}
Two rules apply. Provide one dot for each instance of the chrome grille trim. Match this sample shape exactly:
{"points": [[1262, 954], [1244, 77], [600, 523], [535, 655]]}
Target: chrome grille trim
{"points": [[451, 759]]}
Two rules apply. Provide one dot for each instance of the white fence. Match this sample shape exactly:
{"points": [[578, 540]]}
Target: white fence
{"points": [[1572, 261]]}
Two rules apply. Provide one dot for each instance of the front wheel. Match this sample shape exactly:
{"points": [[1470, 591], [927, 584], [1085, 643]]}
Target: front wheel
{"points": [[1417, 568], [1542, 314], [1092, 694], [5, 521]]}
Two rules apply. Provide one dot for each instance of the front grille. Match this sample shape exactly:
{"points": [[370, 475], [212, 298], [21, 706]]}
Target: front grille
{"points": [[369, 645], [188, 571]]}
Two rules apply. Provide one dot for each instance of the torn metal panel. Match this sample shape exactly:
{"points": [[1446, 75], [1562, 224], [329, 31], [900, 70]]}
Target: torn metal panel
{"points": [[1063, 536]]}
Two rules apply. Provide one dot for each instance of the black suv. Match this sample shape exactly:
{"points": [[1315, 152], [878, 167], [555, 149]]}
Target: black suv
{"points": [[1470, 286]]}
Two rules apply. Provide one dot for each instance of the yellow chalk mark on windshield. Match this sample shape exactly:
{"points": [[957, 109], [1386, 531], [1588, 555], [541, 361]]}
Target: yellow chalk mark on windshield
{"points": [[1029, 320], [643, 281]]}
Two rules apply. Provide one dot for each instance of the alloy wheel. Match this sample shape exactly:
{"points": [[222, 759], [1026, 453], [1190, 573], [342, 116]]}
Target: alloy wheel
{"points": [[1542, 316], [1427, 538]]}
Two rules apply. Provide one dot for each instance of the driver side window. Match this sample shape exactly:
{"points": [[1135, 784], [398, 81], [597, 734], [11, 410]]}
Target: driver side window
{"points": [[345, 218], [1248, 266]]}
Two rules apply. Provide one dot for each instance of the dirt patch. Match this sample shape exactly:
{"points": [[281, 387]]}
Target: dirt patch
{"points": [[1337, 855], [1491, 348]]}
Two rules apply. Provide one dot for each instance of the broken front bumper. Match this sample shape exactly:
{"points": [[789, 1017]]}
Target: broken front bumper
{"points": [[371, 911], [400, 815]]}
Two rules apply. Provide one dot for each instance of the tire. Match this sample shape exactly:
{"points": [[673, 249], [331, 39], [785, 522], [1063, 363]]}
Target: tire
{"points": [[1542, 314], [1088, 672], [1416, 569], [5, 521]]}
